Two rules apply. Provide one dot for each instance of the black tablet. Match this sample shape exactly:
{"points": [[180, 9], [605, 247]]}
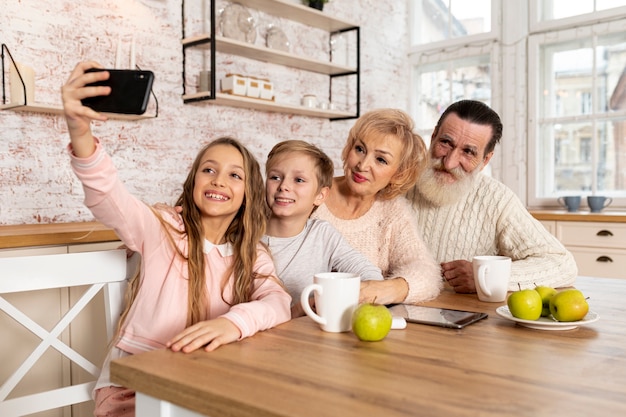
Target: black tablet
{"points": [[443, 317]]}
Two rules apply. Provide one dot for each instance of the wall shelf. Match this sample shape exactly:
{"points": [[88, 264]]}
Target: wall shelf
{"points": [[265, 105], [288, 10], [53, 109], [299, 13], [262, 53]]}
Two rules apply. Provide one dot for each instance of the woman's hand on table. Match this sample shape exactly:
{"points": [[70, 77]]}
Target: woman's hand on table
{"points": [[459, 275], [209, 333], [387, 291]]}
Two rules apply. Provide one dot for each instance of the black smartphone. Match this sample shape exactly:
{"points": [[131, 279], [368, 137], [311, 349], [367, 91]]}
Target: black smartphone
{"points": [[130, 92], [443, 317]]}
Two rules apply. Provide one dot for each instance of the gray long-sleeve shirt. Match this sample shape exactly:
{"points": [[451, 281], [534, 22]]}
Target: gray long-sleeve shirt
{"points": [[318, 248]]}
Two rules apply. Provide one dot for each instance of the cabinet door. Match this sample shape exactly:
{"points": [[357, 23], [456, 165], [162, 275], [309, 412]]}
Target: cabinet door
{"points": [[88, 330], [16, 343]]}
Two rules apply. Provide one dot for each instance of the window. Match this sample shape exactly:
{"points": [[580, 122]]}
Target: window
{"points": [[445, 82], [451, 56], [580, 98], [440, 20]]}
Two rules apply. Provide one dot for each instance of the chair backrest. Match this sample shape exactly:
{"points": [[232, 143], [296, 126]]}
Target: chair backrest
{"points": [[100, 270]]}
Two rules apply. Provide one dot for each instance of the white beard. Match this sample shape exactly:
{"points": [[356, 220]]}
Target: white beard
{"points": [[441, 193]]}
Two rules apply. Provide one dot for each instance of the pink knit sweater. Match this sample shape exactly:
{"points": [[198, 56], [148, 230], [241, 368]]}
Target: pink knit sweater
{"points": [[387, 235]]}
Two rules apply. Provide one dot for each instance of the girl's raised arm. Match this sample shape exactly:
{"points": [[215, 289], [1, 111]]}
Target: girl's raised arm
{"points": [[77, 116]]}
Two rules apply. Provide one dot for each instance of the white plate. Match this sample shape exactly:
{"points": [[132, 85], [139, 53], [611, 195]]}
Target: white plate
{"points": [[237, 23], [547, 323], [276, 39]]}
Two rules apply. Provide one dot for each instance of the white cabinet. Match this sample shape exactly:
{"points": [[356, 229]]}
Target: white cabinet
{"points": [[86, 334], [599, 248]]}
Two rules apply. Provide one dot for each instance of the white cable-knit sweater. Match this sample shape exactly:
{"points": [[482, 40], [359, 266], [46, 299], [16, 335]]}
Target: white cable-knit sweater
{"points": [[491, 220], [387, 235]]}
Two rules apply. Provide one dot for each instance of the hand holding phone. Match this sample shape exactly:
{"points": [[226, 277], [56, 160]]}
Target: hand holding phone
{"points": [[130, 92]]}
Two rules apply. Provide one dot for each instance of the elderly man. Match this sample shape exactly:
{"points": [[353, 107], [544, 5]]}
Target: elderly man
{"points": [[463, 213]]}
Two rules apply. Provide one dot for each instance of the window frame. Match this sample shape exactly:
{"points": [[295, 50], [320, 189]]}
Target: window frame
{"points": [[536, 40], [536, 25]]}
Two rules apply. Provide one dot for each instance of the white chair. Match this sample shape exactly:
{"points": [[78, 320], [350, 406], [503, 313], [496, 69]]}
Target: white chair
{"points": [[104, 270]]}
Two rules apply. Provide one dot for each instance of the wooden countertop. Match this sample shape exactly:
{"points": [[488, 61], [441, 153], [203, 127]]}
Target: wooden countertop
{"points": [[580, 216], [19, 236], [491, 368]]}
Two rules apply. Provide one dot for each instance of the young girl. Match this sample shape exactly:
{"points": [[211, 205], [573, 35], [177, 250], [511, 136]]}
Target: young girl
{"points": [[205, 282]]}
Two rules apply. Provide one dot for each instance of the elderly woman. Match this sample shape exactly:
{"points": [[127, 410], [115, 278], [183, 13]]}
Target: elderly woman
{"points": [[382, 159]]}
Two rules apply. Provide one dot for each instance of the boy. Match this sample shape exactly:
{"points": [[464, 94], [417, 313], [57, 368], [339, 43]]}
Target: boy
{"points": [[298, 178]]}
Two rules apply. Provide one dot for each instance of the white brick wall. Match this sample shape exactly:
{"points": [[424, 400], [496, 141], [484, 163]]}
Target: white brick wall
{"points": [[36, 184]]}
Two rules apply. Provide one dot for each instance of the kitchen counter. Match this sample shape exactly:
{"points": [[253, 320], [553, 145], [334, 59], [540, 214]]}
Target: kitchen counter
{"points": [[580, 216], [19, 236]]}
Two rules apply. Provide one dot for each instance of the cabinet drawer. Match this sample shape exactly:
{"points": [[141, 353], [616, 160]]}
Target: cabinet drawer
{"points": [[598, 235], [593, 262]]}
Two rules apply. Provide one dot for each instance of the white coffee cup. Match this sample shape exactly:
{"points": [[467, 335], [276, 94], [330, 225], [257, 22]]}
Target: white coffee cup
{"points": [[336, 298], [491, 277], [309, 100]]}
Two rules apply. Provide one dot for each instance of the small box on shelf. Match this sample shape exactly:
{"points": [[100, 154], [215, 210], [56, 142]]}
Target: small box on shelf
{"points": [[253, 87], [235, 84]]}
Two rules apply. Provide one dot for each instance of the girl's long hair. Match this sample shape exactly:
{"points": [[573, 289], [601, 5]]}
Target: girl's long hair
{"points": [[244, 233]]}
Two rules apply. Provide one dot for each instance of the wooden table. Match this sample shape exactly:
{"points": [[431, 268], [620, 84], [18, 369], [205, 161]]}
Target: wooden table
{"points": [[491, 368]]}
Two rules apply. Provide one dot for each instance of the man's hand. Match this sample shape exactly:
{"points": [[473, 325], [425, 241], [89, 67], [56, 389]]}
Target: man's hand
{"points": [[460, 275]]}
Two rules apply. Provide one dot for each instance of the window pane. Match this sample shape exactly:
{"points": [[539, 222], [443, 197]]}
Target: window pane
{"points": [[559, 9], [566, 159], [611, 150], [568, 153], [567, 79], [473, 16], [448, 81], [437, 20], [609, 4], [612, 75]]}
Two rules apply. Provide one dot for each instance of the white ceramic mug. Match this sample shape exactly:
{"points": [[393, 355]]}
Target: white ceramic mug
{"points": [[309, 100], [491, 276], [336, 298]]}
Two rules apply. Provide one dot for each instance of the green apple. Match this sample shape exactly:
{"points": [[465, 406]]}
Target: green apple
{"points": [[525, 304], [546, 293], [371, 322], [569, 305]]}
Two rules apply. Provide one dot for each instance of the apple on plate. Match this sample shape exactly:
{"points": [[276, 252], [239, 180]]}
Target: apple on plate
{"points": [[569, 305], [371, 322], [525, 304], [546, 293]]}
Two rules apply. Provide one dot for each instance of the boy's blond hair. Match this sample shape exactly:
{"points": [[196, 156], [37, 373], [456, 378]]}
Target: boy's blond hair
{"points": [[323, 164]]}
